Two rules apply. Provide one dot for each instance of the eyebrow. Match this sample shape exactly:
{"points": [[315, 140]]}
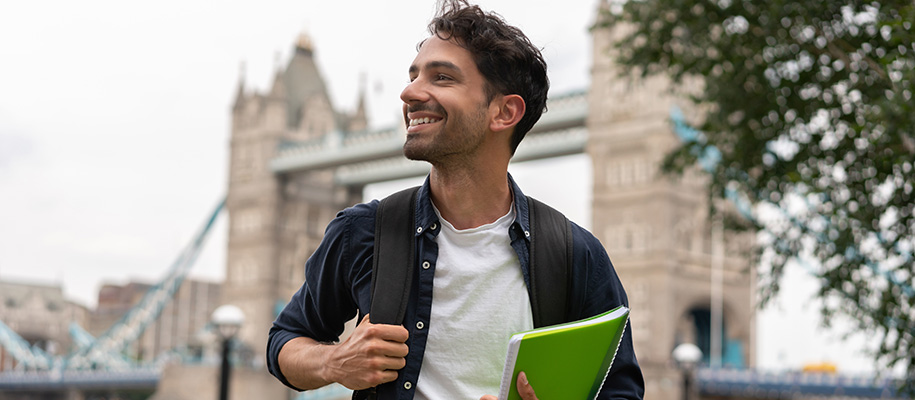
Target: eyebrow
{"points": [[437, 64]]}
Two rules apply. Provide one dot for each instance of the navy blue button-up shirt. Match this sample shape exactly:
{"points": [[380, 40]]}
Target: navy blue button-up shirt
{"points": [[338, 281]]}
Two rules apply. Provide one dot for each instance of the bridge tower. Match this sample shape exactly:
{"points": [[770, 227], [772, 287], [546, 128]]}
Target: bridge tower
{"points": [[657, 229], [277, 220]]}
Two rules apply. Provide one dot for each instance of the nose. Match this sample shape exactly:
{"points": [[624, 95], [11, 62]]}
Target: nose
{"points": [[414, 92]]}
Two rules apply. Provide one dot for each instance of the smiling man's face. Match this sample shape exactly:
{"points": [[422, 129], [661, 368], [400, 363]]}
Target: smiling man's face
{"points": [[446, 110]]}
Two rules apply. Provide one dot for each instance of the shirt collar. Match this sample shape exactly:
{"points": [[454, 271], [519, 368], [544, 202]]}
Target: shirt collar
{"points": [[427, 220]]}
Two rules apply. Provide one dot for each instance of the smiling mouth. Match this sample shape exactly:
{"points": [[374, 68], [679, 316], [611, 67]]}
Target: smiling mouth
{"points": [[423, 121]]}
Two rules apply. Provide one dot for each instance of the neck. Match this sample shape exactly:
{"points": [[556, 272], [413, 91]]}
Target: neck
{"points": [[471, 197]]}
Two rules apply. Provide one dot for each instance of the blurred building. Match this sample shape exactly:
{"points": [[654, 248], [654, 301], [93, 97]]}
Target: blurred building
{"points": [[686, 280], [40, 314], [179, 325]]}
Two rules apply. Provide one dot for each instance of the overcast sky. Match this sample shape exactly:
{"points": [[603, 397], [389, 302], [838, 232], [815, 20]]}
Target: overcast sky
{"points": [[114, 127]]}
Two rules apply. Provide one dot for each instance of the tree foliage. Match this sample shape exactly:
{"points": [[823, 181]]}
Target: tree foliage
{"points": [[809, 103]]}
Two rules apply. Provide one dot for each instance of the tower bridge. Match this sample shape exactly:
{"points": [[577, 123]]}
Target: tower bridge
{"points": [[361, 158], [295, 161]]}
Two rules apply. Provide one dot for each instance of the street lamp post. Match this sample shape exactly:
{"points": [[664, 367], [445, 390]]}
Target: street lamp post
{"points": [[227, 319], [687, 356]]}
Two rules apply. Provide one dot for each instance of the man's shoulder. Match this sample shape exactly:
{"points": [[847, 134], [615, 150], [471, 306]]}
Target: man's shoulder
{"points": [[353, 220], [583, 235], [361, 210], [585, 241]]}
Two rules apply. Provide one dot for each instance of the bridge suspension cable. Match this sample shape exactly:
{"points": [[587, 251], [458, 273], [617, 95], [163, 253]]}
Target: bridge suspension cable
{"points": [[104, 352], [28, 356]]}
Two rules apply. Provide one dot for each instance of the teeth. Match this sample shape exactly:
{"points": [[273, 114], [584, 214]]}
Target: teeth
{"points": [[420, 121]]}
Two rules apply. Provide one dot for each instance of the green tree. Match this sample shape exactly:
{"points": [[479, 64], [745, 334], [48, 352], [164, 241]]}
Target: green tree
{"points": [[809, 105]]}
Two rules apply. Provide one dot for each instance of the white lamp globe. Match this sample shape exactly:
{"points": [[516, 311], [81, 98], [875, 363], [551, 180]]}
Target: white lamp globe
{"points": [[228, 320]]}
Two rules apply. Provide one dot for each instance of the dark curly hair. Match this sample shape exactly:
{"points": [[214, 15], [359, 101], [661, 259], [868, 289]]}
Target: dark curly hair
{"points": [[507, 59]]}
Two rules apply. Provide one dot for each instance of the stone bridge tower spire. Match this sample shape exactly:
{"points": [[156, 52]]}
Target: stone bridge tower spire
{"points": [[276, 220], [656, 228]]}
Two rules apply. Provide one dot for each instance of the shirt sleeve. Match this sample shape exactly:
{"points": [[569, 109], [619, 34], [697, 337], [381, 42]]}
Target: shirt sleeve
{"points": [[325, 301], [603, 291]]}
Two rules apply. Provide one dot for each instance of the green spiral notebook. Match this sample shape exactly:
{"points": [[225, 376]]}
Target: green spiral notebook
{"points": [[567, 361]]}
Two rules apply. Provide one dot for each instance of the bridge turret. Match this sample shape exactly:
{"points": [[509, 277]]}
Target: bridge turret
{"points": [[310, 112], [278, 87], [358, 121], [240, 88]]}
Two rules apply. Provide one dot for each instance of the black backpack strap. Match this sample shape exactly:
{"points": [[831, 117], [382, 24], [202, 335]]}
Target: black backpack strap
{"points": [[551, 264], [392, 264], [394, 257]]}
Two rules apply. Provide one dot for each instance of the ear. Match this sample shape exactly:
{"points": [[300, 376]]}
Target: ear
{"points": [[509, 110]]}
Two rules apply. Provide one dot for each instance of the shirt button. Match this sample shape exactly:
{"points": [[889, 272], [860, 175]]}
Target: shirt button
{"points": [[419, 229], [527, 234], [407, 385], [426, 265], [420, 325], [434, 225]]}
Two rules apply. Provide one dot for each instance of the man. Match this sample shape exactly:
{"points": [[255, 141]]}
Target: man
{"points": [[477, 85]]}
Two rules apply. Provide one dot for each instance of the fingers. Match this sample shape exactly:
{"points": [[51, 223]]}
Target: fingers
{"points": [[488, 397], [386, 343], [385, 376], [394, 333], [384, 340], [372, 355], [524, 387]]}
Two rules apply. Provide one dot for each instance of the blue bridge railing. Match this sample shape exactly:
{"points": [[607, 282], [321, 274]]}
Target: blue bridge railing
{"points": [[789, 385]]}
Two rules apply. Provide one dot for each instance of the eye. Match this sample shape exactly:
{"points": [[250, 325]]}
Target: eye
{"points": [[442, 77]]}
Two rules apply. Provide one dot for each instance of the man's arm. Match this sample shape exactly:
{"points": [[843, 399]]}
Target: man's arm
{"points": [[337, 276], [604, 291], [369, 357]]}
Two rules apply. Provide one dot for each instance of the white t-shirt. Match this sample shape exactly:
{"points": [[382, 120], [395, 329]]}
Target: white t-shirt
{"points": [[479, 300]]}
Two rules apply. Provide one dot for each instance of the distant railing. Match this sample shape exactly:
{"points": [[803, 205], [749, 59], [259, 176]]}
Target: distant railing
{"points": [[792, 385], [137, 378]]}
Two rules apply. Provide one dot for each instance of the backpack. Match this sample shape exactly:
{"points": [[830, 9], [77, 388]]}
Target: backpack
{"points": [[395, 261]]}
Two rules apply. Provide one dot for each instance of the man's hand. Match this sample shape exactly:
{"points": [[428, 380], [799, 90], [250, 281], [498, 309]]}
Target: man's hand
{"points": [[369, 357], [372, 355], [524, 389]]}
